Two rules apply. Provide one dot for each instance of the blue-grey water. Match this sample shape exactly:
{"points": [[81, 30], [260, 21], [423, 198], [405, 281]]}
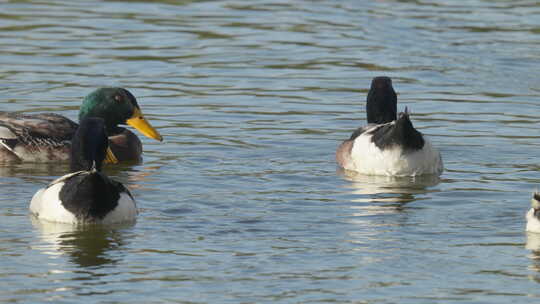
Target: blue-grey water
{"points": [[242, 202]]}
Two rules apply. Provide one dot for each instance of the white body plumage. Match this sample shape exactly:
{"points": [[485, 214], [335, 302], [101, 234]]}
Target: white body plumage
{"points": [[367, 158], [47, 205], [533, 223], [533, 220]]}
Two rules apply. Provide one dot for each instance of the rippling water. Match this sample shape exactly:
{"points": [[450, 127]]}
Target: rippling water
{"points": [[242, 202]]}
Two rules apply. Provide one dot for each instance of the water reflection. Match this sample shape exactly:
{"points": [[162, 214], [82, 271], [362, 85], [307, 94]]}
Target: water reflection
{"points": [[378, 197], [384, 189], [61, 168], [135, 177], [130, 173], [33, 169], [533, 244], [87, 246]]}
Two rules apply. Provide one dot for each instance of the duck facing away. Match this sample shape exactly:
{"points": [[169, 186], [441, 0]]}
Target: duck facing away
{"points": [[47, 137], [533, 215], [389, 144], [86, 195]]}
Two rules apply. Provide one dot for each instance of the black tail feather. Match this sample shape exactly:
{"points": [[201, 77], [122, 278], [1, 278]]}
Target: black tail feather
{"points": [[401, 133]]}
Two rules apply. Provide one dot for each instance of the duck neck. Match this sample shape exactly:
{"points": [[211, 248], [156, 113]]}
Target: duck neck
{"points": [[381, 106], [89, 145], [110, 121]]}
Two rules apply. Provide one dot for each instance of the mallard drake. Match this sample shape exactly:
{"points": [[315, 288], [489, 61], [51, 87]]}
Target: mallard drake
{"points": [[86, 195], [389, 144], [46, 137], [533, 215]]}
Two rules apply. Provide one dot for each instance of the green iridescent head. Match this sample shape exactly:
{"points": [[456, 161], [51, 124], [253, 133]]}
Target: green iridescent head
{"points": [[117, 106]]}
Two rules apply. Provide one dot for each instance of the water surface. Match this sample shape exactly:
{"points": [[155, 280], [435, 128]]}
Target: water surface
{"points": [[242, 202]]}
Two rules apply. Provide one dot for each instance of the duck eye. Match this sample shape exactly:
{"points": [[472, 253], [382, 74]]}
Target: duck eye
{"points": [[118, 98]]}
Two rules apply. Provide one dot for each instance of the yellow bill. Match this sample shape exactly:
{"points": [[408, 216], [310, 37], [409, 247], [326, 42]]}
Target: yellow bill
{"points": [[109, 157], [139, 122]]}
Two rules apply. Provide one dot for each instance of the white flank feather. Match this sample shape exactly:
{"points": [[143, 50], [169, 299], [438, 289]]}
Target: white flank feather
{"points": [[5, 133], [126, 211], [46, 205], [533, 223], [367, 158]]}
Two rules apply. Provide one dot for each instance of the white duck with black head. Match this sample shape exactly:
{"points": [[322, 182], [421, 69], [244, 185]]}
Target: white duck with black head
{"points": [[86, 195], [533, 215], [389, 144]]}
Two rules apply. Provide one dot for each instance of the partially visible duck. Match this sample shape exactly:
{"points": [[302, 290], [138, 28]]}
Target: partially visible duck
{"points": [[389, 144], [86, 195], [533, 216], [46, 137]]}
